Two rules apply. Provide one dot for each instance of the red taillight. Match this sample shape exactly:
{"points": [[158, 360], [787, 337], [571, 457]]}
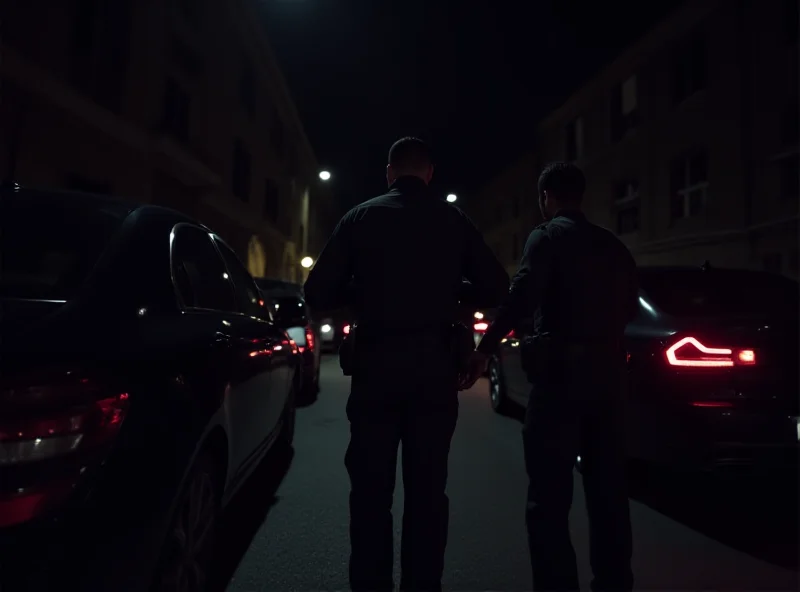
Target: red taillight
{"points": [[480, 327], [27, 440], [309, 339], [690, 352], [510, 335], [346, 330]]}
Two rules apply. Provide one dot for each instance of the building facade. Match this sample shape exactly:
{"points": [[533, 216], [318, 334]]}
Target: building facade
{"points": [[689, 141], [174, 102]]}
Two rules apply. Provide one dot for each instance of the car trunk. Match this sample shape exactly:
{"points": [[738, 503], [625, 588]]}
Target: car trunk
{"points": [[769, 381]]}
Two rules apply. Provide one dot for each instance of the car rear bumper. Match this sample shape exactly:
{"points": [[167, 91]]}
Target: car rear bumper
{"points": [[716, 439], [82, 546]]}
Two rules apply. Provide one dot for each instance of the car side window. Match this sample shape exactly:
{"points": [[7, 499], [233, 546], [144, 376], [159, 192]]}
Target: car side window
{"points": [[247, 294], [200, 275]]}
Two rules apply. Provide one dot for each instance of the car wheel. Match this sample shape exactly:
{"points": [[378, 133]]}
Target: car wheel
{"points": [[497, 387], [189, 549], [316, 379]]}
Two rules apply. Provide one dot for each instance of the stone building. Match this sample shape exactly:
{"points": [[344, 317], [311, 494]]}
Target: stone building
{"points": [[689, 141], [174, 102]]}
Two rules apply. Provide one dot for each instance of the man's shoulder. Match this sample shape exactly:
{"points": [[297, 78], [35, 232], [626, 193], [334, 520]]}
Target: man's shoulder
{"points": [[541, 230]]}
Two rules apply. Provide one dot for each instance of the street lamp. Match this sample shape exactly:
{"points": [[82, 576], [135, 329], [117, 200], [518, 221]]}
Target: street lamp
{"points": [[324, 175], [452, 197], [306, 262]]}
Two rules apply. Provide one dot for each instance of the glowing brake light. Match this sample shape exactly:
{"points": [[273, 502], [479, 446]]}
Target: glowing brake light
{"points": [[346, 330], [481, 327], [309, 339], [689, 352], [746, 356]]}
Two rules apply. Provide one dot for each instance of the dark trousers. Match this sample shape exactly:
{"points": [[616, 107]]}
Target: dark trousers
{"points": [[423, 420], [566, 418]]}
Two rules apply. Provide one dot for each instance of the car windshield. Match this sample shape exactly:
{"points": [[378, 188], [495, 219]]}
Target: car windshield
{"points": [[51, 243], [715, 293]]}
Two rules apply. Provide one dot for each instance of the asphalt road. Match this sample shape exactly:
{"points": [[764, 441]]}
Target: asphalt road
{"points": [[288, 531]]}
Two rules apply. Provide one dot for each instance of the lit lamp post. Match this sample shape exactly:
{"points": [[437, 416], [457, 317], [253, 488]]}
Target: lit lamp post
{"points": [[325, 175], [306, 262], [452, 198]]}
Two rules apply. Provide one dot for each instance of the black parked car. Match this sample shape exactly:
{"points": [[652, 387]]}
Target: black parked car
{"points": [[290, 312], [712, 361], [138, 391]]}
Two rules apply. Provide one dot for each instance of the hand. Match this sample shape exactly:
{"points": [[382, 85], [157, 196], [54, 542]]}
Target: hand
{"points": [[476, 367]]}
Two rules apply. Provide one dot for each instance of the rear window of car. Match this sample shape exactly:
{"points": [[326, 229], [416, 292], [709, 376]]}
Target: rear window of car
{"points": [[50, 244], [289, 309], [714, 293]]}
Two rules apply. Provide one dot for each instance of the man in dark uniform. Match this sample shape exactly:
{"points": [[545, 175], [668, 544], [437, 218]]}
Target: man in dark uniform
{"points": [[577, 282], [398, 261]]}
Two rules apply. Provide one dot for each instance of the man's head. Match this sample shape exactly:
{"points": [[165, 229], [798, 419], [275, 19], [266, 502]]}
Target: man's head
{"points": [[561, 187], [409, 157]]}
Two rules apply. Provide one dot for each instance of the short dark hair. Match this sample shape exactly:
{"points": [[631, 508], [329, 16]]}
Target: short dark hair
{"points": [[564, 180], [409, 154]]}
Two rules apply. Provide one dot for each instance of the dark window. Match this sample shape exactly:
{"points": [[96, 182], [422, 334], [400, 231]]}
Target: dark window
{"points": [[791, 20], [772, 262], [190, 10], [187, 58], [573, 148], [696, 293], [100, 50], [624, 108], [247, 87], [690, 70], [278, 138], [515, 247], [790, 124], [288, 311], [83, 31], [628, 219], [176, 111], [43, 255], [200, 275], [689, 185], [790, 176], [271, 195], [626, 191], [241, 171], [626, 202], [247, 295], [114, 59]]}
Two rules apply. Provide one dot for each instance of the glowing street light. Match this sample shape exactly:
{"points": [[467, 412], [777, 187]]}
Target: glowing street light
{"points": [[452, 197], [324, 175], [306, 262]]}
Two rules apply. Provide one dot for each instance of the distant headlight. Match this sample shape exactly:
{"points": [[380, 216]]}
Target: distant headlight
{"points": [[326, 328]]}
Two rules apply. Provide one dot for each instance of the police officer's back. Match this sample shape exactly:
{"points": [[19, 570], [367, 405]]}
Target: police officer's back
{"points": [[577, 282], [398, 261]]}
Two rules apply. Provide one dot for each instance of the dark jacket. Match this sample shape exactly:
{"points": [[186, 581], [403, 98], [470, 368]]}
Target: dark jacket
{"points": [[399, 261], [576, 280]]}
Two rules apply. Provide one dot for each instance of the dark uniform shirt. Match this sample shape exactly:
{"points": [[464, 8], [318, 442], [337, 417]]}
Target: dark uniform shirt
{"points": [[577, 280], [399, 261]]}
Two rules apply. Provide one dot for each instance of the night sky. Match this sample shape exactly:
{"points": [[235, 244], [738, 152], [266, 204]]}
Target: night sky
{"points": [[473, 78]]}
